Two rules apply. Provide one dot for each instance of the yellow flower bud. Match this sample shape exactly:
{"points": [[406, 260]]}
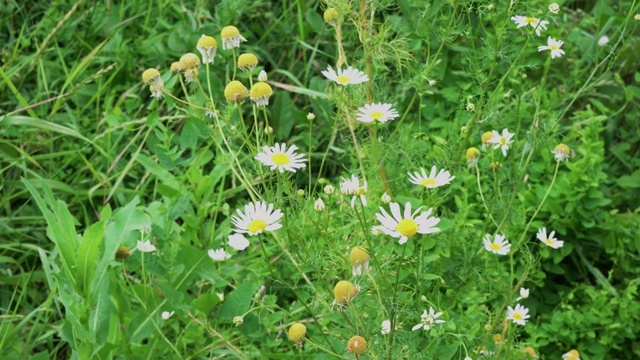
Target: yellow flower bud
{"points": [[332, 16]]}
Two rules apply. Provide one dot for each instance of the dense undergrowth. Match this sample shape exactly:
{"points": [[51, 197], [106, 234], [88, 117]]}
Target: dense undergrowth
{"points": [[126, 219]]}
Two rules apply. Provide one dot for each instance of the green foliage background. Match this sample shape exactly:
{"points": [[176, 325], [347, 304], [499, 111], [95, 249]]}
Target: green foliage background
{"points": [[88, 163]]}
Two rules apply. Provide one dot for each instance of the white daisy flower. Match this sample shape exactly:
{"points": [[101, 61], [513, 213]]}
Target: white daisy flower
{"points": [[351, 187], [502, 141], [218, 255], [524, 293], [537, 24], [519, 315], [166, 315], [499, 245], [428, 319], [238, 241], [257, 217], [350, 76], [550, 240], [406, 225], [145, 246], [433, 180], [553, 45], [278, 157], [386, 327], [376, 112]]}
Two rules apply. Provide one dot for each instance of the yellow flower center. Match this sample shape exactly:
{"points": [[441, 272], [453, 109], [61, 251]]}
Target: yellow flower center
{"points": [[343, 79], [280, 159], [257, 226], [503, 140], [548, 241], [362, 191], [495, 247], [530, 20], [407, 227], [553, 47], [376, 115], [428, 182], [517, 316]]}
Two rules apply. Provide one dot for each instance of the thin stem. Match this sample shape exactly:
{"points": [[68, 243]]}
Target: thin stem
{"points": [[484, 202]]}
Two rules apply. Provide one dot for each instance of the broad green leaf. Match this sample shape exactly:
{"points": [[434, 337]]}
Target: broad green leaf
{"points": [[60, 229], [88, 256], [238, 302]]}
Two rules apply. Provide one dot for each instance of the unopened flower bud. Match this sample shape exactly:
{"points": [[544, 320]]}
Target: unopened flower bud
{"points": [[554, 8], [238, 320], [329, 189], [318, 205], [311, 116]]}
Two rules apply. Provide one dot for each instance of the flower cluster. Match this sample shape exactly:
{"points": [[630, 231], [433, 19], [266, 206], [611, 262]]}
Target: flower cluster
{"points": [[539, 25]]}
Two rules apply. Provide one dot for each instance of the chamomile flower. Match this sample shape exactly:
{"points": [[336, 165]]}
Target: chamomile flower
{"points": [[376, 112], [256, 218], [433, 180], [561, 152], [352, 187], [145, 246], [386, 327], [238, 241], [231, 37], [537, 24], [472, 155], [573, 354], [357, 345], [359, 258], [278, 157], [524, 293], [207, 46], [502, 141], [260, 93], [553, 45], [550, 240], [428, 319], [235, 91], [297, 331], [247, 62], [344, 292], [499, 245], [486, 138], [218, 255], [350, 76], [189, 64], [518, 315], [152, 77], [404, 226], [329, 189]]}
